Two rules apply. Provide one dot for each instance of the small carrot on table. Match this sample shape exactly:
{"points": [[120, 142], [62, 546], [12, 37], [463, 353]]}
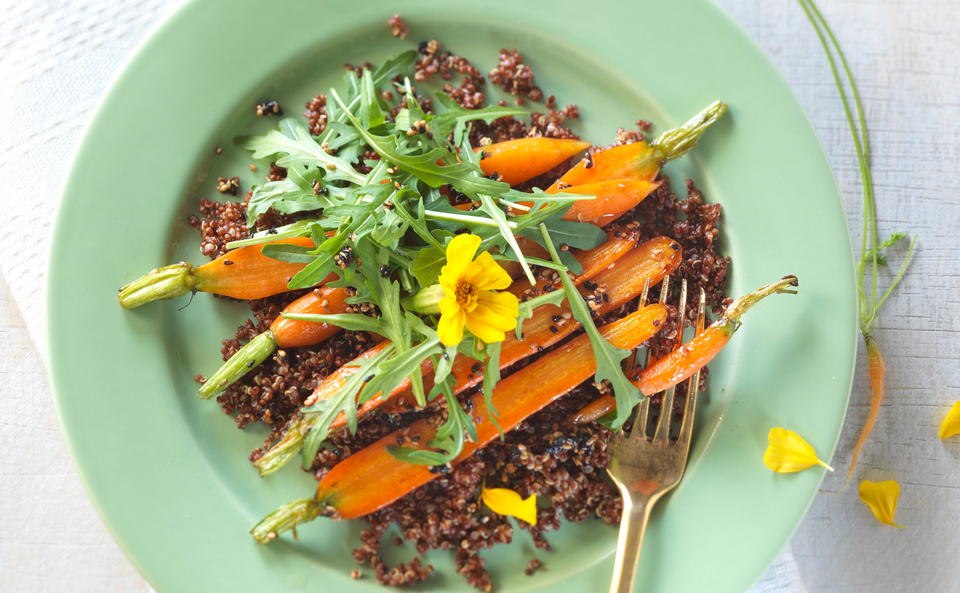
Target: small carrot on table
{"points": [[372, 478], [243, 273], [646, 264], [622, 176], [516, 161], [283, 333], [687, 359]]}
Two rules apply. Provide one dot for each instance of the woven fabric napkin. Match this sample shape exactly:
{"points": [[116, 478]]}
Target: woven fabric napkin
{"points": [[55, 67]]}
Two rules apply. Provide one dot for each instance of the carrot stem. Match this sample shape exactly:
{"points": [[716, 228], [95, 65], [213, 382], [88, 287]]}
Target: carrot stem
{"points": [[243, 361], [285, 518], [167, 282]]}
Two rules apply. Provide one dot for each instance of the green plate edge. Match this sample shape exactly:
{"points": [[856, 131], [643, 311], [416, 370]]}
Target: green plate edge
{"points": [[192, 540]]}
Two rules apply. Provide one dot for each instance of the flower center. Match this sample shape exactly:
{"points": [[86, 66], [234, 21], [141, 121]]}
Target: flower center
{"points": [[466, 293]]}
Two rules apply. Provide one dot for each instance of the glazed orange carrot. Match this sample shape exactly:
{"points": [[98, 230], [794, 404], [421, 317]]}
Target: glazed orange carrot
{"points": [[283, 333], [687, 359], [876, 370], [612, 199], [243, 273], [290, 333], [372, 478], [516, 161], [649, 262], [638, 161]]}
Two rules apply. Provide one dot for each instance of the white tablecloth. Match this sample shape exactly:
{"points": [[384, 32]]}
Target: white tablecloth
{"points": [[57, 59]]}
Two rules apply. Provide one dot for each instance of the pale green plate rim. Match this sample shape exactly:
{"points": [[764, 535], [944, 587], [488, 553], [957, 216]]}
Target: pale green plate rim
{"points": [[180, 523]]}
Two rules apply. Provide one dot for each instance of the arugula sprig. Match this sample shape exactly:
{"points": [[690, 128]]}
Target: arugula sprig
{"points": [[394, 223]]}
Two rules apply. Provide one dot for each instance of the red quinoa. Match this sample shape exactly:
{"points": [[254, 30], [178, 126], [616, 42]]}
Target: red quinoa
{"points": [[398, 28]]}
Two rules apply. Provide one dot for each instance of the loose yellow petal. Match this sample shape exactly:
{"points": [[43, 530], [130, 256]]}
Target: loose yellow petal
{"points": [[504, 501], [951, 424], [788, 452], [882, 498]]}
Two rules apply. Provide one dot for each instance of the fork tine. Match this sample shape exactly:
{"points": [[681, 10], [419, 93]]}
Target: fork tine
{"points": [[666, 404], [642, 420], [693, 387], [635, 357]]}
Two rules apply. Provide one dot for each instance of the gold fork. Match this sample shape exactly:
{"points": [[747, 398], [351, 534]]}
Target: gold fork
{"points": [[646, 467]]}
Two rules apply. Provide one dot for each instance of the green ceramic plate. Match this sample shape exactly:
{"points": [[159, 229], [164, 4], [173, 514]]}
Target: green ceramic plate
{"points": [[169, 473]]}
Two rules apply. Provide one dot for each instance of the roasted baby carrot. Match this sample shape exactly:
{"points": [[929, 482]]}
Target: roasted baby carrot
{"points": [[283, 333], [516, 161], [647, 263], [687, 359], [372, 478], [612, 199], [638, 161], [243, 273]]}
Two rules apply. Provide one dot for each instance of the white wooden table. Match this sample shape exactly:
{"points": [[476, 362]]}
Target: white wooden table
{"points": [[906, 56]]}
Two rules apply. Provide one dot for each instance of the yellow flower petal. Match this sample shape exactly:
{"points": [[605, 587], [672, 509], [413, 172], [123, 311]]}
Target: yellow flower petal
{"points": [[951, 424], [881, 497], [504, 501], [496, 314], [460, 251], [486, 274], [788, 452], [452, 320]]}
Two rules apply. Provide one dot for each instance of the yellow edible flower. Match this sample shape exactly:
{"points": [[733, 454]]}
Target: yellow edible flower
{"points": [[468, 295], [951, 424], [504, 501], [788, 452], [881, 497]]}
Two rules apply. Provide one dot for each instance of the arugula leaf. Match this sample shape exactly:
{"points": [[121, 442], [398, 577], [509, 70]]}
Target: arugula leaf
{"points": [[491, 376], [321, 415], [579, 235], [292, 146], [609, 357], [284, 196], [487, 205], [294, 254], [464, 177], [455, 118], [348, 321], [450, 435], [427, 264]]}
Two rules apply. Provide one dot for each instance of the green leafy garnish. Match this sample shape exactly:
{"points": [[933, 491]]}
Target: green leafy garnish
{"points": [[609, 357]]}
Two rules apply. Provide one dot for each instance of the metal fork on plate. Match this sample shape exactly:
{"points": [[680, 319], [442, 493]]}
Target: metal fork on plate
{"points": [[646, 466]]}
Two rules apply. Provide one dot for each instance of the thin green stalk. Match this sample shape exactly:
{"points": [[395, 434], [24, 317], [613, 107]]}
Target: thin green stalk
{"points": [[466, 219], [870, 245]]}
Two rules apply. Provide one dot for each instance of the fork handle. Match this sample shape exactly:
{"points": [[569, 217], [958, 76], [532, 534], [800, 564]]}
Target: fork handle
{"points": [[633, 525]]}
